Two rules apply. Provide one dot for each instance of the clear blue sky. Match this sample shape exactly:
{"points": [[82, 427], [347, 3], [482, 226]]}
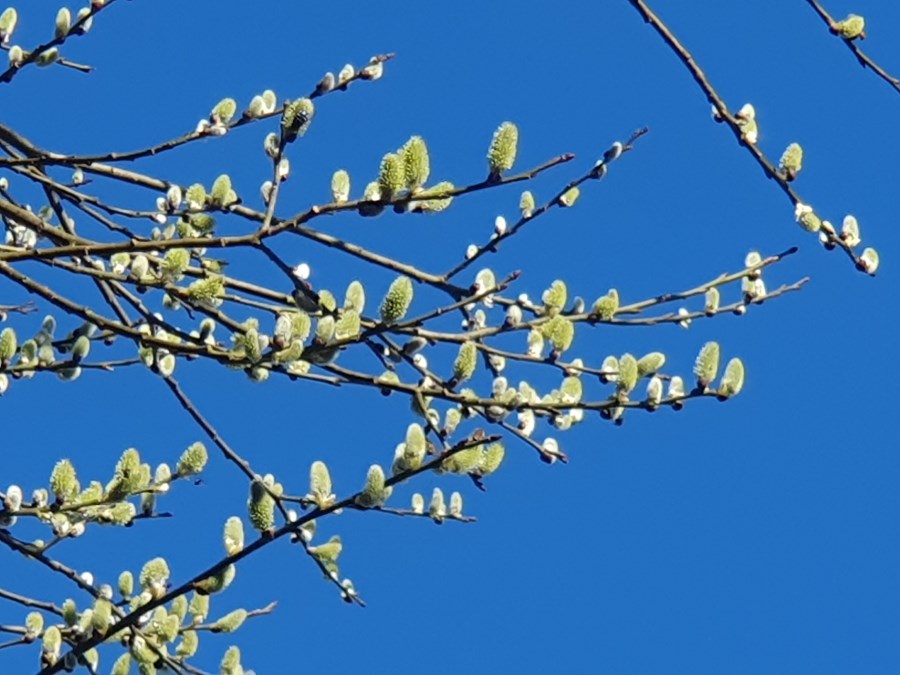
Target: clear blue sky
{"points": [[753, 537]]}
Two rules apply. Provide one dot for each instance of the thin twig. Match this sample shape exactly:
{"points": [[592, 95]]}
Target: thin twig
{"points": [[723, 112], [864, 60]]}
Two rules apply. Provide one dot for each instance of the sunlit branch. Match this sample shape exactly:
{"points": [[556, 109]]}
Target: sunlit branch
{"points": [[33, 553], [288, 529], [25, 308], [33, 55], [30, 602], [230, 454], [415, 514], [216, 628], [39, 156], [492, 244], [728, 118], [864, 60]]}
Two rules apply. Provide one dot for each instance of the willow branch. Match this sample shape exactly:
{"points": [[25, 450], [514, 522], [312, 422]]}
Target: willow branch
{"points": [[723, 112], [491, 244], [864, 60], [288, 529], [74, 31]]}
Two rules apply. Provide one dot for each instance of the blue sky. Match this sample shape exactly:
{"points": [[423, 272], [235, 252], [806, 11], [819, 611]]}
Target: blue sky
{"points": [[754, 536]]}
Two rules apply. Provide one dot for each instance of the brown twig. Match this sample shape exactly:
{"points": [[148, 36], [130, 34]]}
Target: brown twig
{"points": [[289, 528], [30, 602], [33, 55], [493, 242], [864, 60], [723, 112]]}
